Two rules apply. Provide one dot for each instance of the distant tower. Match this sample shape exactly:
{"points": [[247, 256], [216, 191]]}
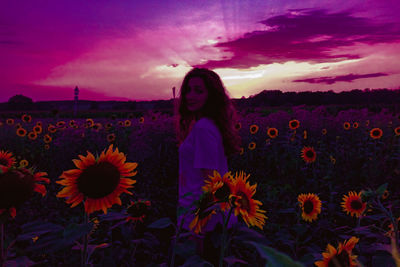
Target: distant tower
{"points": [[76, 93], [173, 91]]}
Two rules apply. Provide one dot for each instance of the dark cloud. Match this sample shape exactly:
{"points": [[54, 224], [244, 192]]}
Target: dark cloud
{"points": [[343, 78], [304, 36]]}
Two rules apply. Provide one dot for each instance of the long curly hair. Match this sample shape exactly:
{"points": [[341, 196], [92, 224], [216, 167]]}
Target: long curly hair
{"points": [[218, 107]]}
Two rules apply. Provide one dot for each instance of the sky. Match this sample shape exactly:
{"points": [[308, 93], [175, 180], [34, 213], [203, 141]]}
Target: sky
{"points": [[139, 50]]}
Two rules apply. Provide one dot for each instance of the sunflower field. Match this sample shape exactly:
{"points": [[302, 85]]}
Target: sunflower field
{"points": [[308, 188]]}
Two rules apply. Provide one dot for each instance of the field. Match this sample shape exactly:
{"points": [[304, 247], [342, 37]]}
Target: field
{"points": [[351, 154]]}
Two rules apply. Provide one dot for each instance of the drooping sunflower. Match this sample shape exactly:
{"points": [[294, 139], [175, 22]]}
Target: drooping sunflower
{"points": [[51, 128], [353, 204], [294, 124], [342, 256], [243, 202], [397, 131], [376, 133], [253, 128], [10, 121], [308, 154], [324, 131], [252, 145], [203, 212], [241, 151], [26, 118], [355, 125], [23, 163], [272, 132], [127, 123], [17, 186], [98, 182], [37, 129], [138, 210], [220, 187], [111, 137], [346, 125], [310, 205], [21, 132], [6, 159], [141, 120], [32, 135], [89, 123], [47, 138]]}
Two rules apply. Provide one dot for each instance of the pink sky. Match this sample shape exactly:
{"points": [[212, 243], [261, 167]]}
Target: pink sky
{"points": [[139, 50]]}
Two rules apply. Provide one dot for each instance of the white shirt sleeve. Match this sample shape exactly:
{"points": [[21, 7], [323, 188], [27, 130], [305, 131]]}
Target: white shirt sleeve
{"points": [[206, 146]]}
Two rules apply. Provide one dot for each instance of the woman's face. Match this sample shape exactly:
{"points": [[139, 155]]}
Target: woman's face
{"points": [[196, 95]]}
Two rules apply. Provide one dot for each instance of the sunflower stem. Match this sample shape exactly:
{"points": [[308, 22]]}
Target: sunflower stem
{"points": [[224, 228], [177, 233], [392, 219], [85, 241], [2, 259]]}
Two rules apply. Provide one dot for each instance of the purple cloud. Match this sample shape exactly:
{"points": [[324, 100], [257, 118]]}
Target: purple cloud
{"points": [[304, 35], [343, 78]]}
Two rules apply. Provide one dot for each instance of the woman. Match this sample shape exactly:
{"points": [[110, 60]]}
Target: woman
{"points": [[206, 134]]}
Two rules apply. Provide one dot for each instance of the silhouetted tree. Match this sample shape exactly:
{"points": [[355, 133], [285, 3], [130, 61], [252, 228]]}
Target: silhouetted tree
{"points": [[20, 102]]}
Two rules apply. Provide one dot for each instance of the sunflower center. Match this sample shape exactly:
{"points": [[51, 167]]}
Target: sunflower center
{"points": [[356, 205], [375, 133], [223, 192], [205, 203], [308, 206], [3, 162], [16, 187], [272, 132], [341, 260], [243, 201], [99, 180], [310, 154]]}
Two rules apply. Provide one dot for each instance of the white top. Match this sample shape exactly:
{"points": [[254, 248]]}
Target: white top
{"points": [[202, 148]]}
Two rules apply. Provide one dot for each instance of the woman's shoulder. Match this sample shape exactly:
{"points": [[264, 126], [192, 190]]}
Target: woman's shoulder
{"points": [[205, 123]]}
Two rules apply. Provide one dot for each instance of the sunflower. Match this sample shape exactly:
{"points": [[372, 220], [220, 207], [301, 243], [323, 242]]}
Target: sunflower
{"points": [[97, 127], [305, 134], [385, 195], [121, 123], [138, 210], [267, 141], [18, 125], [46, 146], [238, 126], [243, 202], [23, 163], [32, 135], [397, 131], [272, 132], [252, 145], [346, 125], [324, 131], [220, 187], [21, 132], [10, 121], [72, 123], [353, 204], [141, 120], [51, 128], [17, 186], [60, 124], [39, 123], [127, 123], [47, 138], [108, 126], [203, 212], [6, 159], [89, 123], [342, 256], [308, 154], [37, 129], [294, 124], [111, 137], [98, 182], [253, 129], [310, 206], [355, 125], [376, 133], [26, 118]]}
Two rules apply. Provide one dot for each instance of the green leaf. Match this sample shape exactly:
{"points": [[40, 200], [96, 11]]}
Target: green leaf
{"points": [[274, 258], [161, 223]]}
